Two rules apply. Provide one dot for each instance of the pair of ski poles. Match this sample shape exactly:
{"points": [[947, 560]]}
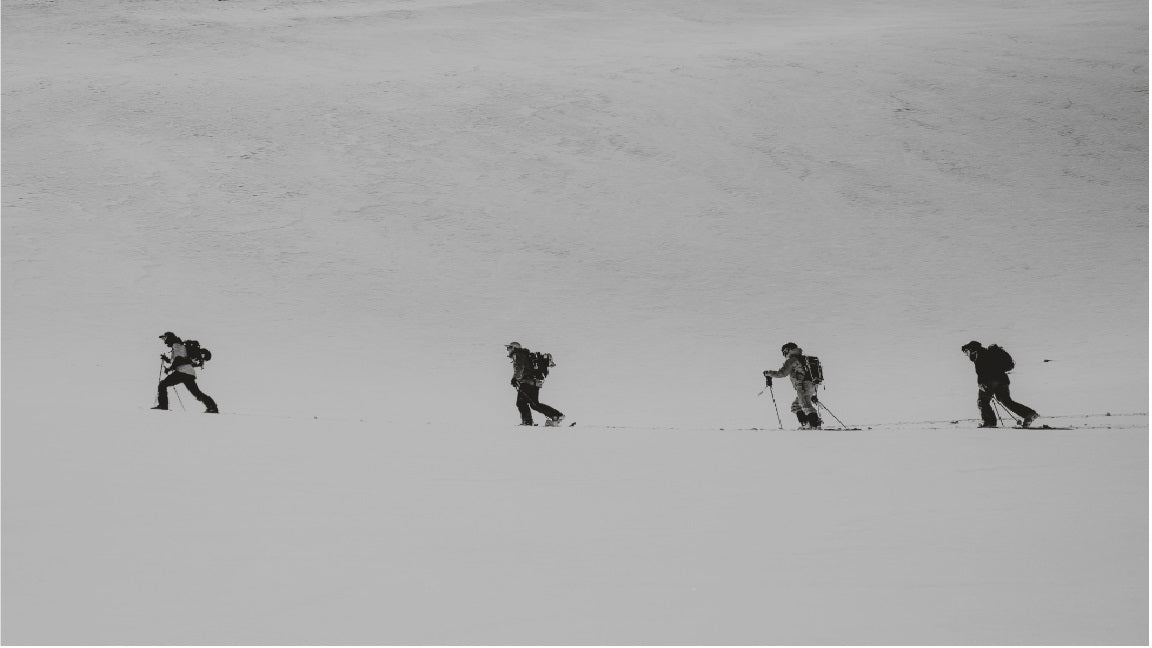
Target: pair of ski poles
{"points": [[768, 388], [1001, 406]]}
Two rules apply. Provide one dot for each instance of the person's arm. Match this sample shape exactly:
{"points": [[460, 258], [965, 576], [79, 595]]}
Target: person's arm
{"points": [[516, 369], [784, 371]]}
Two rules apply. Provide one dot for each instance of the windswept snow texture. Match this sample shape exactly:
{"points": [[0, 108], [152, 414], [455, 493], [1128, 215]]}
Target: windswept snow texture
{"points": [[354, 204]]}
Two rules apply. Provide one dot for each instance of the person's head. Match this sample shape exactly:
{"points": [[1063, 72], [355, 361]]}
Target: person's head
{"points": [[169, 338], [511, 348], [972, 349], [790, 349]]}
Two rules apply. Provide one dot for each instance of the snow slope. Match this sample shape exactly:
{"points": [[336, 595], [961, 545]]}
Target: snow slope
{"points": [[171, 528], [355, 204]]}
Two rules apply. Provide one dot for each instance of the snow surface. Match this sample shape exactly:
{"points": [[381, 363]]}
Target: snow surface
{"points": [[355, 204], [171, 528]]}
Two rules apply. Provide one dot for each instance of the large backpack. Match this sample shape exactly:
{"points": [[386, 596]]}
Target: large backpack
{"points": [[815, 369], [999, 358], [197, 355], [539, 364]]}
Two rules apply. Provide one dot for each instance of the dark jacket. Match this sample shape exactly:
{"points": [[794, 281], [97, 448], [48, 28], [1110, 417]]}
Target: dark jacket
{"points": [[987, 373], [522, 366]]}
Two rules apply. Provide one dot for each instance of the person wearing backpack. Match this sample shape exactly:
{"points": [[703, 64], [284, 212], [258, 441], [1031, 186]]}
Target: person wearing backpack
{"points": [[528, 373], [796, 368], [181, 371], [992, 366]]}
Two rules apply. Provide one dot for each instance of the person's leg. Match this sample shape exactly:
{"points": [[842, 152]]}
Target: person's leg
{"points": [[533, 393], [801, 415], [1004, 395], [171, 380], [194, 389], [546, 410], [804, 396], [523, 399], [984, 402]]}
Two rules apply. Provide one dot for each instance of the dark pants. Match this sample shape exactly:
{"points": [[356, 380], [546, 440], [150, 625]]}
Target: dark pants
{"points": [[1001, 393], [178, 378], [528, 399]]}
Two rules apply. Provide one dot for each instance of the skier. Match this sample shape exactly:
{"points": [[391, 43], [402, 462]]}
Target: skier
{"points": [[992, 377], [527, 381], [796, 368], [180, 372]]}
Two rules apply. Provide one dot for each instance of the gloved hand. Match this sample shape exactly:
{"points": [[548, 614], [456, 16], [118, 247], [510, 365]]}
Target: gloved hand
{"points": [[169, 369], [164, 357], [514, 382], [767, 379]]}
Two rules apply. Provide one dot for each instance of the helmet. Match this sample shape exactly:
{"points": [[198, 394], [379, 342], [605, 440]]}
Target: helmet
{"points": [[971, 346], [169, 336], [512, 345], [788, 348]]}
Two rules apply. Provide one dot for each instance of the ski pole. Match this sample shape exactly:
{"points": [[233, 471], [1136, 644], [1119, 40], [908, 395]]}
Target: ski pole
{"points": [[768, 379], [821, 404], [1006, 411], [160, 377]]}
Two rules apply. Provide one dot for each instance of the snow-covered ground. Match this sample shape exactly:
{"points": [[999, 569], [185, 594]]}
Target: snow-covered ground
{"points": [[170, 528], [356, 203]]}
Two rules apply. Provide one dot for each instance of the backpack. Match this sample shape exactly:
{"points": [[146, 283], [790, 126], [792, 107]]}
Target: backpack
{"points": [[197, 355], [539, 364], [815, 369], [999, 358]]}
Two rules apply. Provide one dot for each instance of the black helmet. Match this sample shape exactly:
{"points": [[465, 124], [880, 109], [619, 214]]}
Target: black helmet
{"points": [[971, 346], [169, 337], [784, 350]]}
